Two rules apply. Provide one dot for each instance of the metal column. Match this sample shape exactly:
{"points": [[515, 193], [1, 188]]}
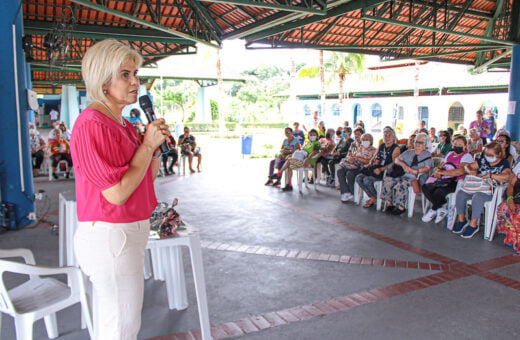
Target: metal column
{"points": [[513, 114]]}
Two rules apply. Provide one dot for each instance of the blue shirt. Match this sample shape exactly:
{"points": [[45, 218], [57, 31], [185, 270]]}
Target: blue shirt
{"points": [[299, 136]]}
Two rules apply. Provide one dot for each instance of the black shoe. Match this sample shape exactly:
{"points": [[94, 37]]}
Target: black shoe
{"points": [[67, 175], [389, 209], [276, 183], [311, 181], [170, 170], [54, 176], [287, 188], [269, 182], [396, 211]]}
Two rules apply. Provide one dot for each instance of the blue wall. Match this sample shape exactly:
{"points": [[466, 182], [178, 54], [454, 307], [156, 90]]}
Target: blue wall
{"points": [[11, 14]]}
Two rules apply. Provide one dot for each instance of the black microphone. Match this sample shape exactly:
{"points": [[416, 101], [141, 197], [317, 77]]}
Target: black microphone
{"points": [[146, 105]]}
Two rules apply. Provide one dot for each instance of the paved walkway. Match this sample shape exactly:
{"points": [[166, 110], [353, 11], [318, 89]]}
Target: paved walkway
{"points": [[304, 266]]}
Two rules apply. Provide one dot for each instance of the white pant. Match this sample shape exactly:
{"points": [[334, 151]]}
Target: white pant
{"points": [[111, 255]]}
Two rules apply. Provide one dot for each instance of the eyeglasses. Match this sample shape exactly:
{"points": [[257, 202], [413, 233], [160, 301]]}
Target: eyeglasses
{"points": [[416, 142], [501, 141]]}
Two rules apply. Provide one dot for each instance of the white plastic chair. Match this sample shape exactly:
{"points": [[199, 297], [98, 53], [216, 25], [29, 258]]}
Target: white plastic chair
{"points": [[301, 176], [39, 297], [359, 195]]}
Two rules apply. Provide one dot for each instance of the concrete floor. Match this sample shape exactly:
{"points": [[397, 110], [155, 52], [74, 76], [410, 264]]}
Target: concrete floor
{"points": [[304, 266]]}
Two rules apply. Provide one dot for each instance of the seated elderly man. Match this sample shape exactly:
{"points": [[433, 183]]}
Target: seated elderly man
{"points": [[410, 165], [189, 148], [38, 146], [60, 151]]}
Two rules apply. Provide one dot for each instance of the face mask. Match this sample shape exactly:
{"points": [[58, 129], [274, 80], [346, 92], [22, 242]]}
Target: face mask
{"points": [[365, 144], [327, 136], [32, 131], [490, 159], [338, 133], [343, 135], [458, 149], [312, 138]]}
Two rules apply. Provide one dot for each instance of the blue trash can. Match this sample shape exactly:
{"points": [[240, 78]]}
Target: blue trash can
{"points": [[247, 143]]}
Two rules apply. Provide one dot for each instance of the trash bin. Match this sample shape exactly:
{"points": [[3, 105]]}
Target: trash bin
{"points": [[247, 143]]}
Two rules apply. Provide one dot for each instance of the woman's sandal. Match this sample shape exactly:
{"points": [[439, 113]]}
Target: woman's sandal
{"points": [[369, 203]]}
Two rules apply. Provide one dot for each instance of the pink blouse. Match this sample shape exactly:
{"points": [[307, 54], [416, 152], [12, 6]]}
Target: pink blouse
{"points": [[101, 151]]}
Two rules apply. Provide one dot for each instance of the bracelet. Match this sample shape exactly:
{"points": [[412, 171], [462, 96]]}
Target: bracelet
{"points": [[507, 200]]}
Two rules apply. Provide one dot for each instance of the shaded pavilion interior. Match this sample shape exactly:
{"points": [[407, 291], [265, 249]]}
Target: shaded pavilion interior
{"points": [[479, 33]]}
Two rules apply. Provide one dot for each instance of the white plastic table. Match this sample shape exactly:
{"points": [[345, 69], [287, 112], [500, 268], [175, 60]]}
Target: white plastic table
{"points": [[168, 265]]}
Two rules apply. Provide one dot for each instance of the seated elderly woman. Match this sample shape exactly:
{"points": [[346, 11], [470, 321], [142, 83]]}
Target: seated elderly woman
{"points": [[60, 151], [445, 178], [508, 217], [475, 142], [407, 167], [492, 166], [388, 151], [302, 158], [289, 145], [327, 145], [339, 153], [505, 142], [352, 165]]}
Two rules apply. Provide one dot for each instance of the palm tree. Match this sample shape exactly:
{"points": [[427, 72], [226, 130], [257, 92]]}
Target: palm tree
{"points": [[338, 66], [341, 65]]}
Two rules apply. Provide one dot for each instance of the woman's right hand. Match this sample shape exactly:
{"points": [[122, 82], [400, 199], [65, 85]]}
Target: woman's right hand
{"points": [[156, 133], [512, 207]]}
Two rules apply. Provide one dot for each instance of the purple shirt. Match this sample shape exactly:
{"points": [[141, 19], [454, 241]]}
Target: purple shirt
{"points": [[481, 128]]}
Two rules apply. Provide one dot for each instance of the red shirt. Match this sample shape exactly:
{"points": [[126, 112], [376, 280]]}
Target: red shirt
{"points": [[101, 151]]}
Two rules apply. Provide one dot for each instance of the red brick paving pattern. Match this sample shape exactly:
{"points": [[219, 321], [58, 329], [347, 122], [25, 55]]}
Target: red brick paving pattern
{"points": [[450, 270]]}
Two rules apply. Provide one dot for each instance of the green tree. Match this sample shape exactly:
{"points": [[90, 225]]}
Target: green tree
{"points": [[338, 67], [342, 65]]}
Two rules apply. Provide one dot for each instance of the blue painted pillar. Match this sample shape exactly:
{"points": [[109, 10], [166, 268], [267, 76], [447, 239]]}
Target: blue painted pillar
{"points": [[15, 157], [513, 114], [30, 113]]}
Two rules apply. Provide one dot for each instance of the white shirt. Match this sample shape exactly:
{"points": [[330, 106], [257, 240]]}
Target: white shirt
{"points": [[54, 115]]}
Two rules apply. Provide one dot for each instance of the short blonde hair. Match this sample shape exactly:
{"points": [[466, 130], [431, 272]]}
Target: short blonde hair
{"points": [[101, 64]]}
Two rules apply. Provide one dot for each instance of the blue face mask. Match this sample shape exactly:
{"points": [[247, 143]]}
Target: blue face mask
{"points": [[343, 135]]}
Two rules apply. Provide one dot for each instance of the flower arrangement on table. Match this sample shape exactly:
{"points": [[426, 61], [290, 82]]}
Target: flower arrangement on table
{"points": [[165, 221]]}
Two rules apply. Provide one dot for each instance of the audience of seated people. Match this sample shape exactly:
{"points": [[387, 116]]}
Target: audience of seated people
{"points": [[358, 157], [466, 163], [413, 164], [304, 158], [339, 152], [38, 147], [298, 134], [327, 145], [444, 144], [445, 178], [60, 151], [172, 153], [189, 148], [491, 166], [386, 154], [508, 216], [289, 145], [474, 142]]}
